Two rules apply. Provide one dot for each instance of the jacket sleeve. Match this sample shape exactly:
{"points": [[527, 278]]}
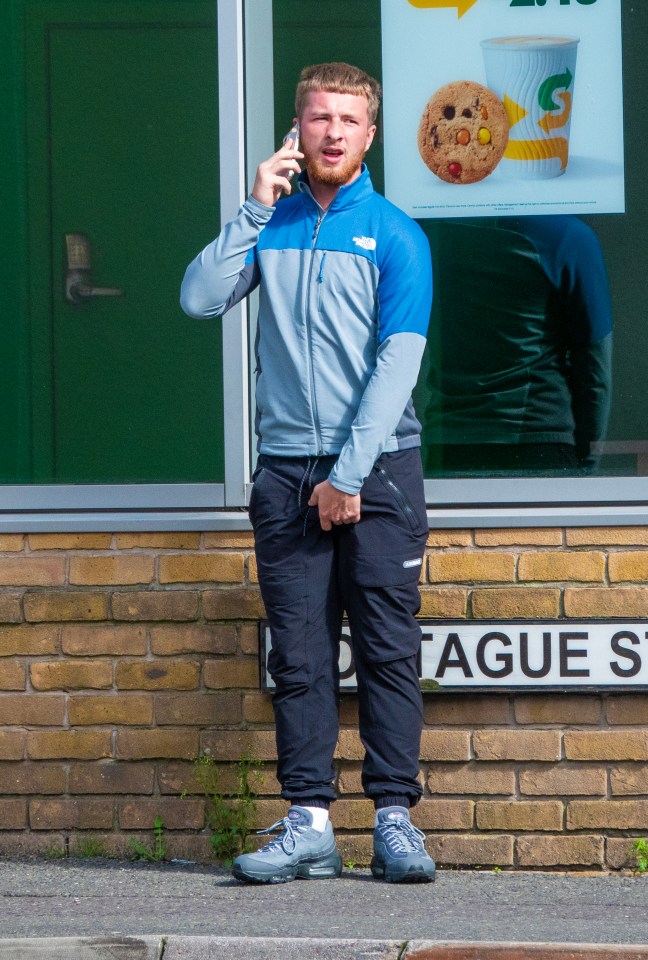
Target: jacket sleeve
{"points": [[226, 270], [404, 302], [589, 348]]}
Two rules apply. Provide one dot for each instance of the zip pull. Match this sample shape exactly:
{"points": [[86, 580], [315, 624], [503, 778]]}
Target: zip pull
{"points": [[320, 276]]}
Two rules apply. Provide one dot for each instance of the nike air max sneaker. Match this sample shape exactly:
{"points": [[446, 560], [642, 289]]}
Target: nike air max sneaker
{"points": [[399, 849]]}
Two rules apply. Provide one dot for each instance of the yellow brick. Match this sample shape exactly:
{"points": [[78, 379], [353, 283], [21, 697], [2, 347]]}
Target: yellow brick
{"points": [[349, 746], [85, 813], [607, 814], [198, 709], [11, 542], [554, 565], [32, 571], [444, 814], [353, 815], [629, 780], [65, 606], [607, 745], [233, 744], [253, 570], [558, 708], [29, 778], [471, 778], [12, 744], [248, 634], [152, 744], [157, 675], [199, 568], [69, 744], [90, 571], [444, 603], [214, 638], [178, 813], [560, 851], [70, 541], [519, 814], [28, 641], [10, 608], [92, 640], [158, 541], [33, 710], [13, 814], [627, 709], [112, 777], [219, 674], [607, 602], [71, 675], [543, 745], [155, 605], [445, 745], [564, 779], [631, 565], [12, 675], [602, 536], [111, 709], [222, 539], [513, 536], [233, 604], [449, 538], [468, 711], [509, 603], [471, 850], [469, 567]]}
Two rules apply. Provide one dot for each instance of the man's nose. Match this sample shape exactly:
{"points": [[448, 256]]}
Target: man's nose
{"points": [[335, 129]]}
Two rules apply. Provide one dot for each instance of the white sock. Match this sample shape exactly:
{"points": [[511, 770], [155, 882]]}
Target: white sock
{"points": [[320, 817]]}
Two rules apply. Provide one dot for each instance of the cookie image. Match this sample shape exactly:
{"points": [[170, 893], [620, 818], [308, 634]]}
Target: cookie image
{"points": [[463, 132]]}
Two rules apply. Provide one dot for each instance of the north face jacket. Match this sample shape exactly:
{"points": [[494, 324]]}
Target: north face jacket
{"points": [[345, 297]]}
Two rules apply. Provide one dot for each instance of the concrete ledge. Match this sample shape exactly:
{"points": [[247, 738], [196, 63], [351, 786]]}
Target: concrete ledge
{"points": [[83, 948], [279, 948]]}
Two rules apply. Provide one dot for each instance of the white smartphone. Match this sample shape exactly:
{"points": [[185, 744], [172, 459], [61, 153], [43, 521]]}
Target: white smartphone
{"points": [[292, 140]]}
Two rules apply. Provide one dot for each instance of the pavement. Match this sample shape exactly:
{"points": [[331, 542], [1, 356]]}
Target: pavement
{"points": [[97, 909]]}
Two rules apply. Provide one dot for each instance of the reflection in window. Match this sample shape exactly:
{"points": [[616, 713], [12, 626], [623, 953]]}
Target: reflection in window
{"points": [[519, 376]]}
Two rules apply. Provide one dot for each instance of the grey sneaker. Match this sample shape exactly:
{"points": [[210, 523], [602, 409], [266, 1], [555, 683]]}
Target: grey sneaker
{"points": [[399, 851], [298, 851]]}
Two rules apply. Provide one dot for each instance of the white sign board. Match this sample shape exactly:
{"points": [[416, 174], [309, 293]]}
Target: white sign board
{"points": [[555, 67], [504, 655]]}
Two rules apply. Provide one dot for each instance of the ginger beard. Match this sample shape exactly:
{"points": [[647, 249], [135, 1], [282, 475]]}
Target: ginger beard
{"points": [[335, 176]]}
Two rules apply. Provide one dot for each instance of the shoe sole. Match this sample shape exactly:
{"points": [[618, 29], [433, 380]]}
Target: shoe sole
{"points": [[413, 875], [328, 868]]}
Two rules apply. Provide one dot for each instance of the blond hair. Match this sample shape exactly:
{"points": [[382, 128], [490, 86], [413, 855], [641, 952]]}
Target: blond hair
{"points": [[338, 78]]}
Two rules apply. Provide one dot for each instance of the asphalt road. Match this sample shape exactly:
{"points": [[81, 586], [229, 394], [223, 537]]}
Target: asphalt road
{"points": [[91, 898]]}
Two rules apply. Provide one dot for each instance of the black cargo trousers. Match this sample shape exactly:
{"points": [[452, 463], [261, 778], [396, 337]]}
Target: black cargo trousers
{"points": [[308, 578]]}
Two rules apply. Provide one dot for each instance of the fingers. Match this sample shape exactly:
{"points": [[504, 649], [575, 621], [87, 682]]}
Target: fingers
{"points": [[273, 176]]}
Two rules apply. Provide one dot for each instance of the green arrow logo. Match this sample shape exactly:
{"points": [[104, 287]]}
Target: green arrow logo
{"points": [[559, 81]]}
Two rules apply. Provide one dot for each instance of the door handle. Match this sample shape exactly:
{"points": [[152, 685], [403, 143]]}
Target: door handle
{"points": [[78, 284]]}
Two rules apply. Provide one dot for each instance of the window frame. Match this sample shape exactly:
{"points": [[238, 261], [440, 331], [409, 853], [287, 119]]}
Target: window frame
{"points": [[246, 133]]}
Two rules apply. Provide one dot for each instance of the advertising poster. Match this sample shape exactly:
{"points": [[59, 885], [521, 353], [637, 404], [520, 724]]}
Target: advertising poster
{"points": [[503, 107]]}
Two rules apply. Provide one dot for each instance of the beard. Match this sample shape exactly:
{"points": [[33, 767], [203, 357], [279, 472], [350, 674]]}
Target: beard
{"points": [[333, 176]]}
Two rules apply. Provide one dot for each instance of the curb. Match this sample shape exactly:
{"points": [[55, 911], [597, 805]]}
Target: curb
{"points": [[279, 948]]}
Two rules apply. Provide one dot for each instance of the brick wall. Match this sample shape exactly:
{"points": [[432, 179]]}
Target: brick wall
{"points": [[123, 657]]}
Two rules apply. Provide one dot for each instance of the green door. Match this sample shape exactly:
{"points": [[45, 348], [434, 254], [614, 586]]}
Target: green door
{"points": [[122, 145]]}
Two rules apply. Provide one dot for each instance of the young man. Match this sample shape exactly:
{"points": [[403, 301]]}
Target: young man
{"points": [[337, 507]]}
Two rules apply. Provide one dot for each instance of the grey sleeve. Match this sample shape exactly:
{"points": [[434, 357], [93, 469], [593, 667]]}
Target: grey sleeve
{"points": [[226, 270], [381, 407]]}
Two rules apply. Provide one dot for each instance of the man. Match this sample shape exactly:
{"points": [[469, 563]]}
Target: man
{"points": [[337, 507]]}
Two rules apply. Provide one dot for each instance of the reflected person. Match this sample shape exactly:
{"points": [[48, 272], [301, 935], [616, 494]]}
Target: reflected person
{"points": [[521, 346]]}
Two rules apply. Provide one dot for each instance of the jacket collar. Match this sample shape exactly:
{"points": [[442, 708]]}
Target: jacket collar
{"points": [[347, 196]]}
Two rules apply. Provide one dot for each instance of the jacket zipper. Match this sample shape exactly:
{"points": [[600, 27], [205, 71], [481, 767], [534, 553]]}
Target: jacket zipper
{"points": [[309, 335]]}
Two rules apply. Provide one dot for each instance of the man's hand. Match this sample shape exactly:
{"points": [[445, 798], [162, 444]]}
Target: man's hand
{"points": [[335, 506], [272, 175]]}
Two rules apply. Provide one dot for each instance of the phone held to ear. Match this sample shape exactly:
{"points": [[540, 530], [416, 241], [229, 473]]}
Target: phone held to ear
{"points": [[292, 140]]}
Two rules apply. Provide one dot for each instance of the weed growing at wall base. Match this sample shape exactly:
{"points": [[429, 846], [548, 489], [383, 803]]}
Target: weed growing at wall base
{"points": [[639, 851], [154, 854], [229, 814]]}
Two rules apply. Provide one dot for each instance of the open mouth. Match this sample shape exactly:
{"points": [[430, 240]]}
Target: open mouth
{"points": [[333, 153]]}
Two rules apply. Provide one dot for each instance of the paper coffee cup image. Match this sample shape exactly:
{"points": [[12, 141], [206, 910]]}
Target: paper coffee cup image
{"points": [[534, 78]]}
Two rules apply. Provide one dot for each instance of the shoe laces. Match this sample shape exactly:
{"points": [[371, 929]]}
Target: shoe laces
{"points": [[287, 839], [401, 836]]}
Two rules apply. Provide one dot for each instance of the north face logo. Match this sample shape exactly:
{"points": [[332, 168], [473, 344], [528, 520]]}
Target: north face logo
{"points": [[367, 243]]}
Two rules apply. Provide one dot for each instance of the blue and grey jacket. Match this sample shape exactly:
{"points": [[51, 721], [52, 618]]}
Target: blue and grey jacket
{"points": [[344, 305]]}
